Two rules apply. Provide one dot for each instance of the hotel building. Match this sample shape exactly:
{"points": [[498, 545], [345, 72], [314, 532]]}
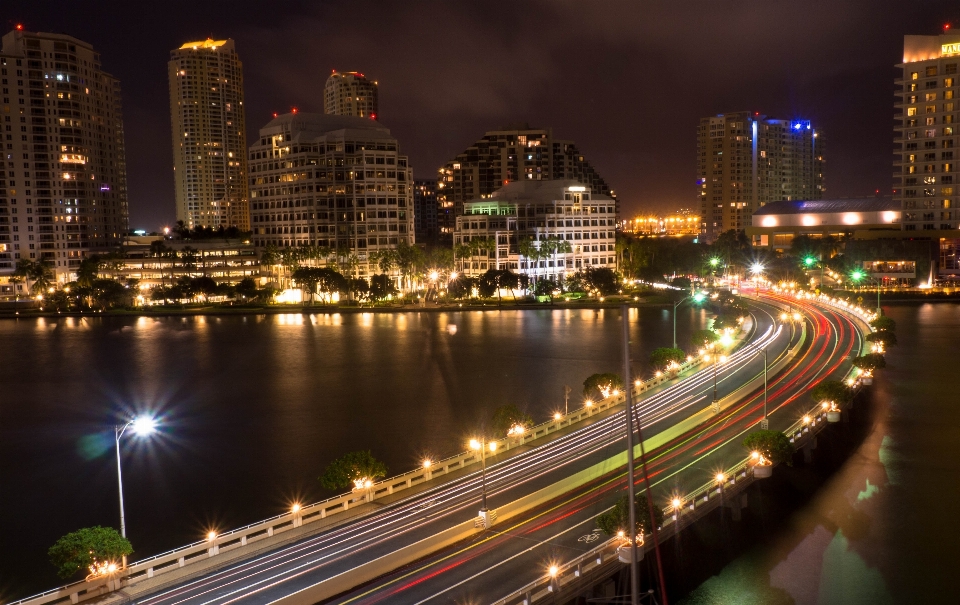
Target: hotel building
{"points": [[63, 187], [513, 153], [544, 212], [332, 181], [350, 94], [745, 160], [209, 136]]}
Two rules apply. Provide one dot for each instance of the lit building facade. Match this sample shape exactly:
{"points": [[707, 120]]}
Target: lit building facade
{"points": [[777, 223], [926, 169], [350, 93], [681, 223], [332, 181], [746, 160], [63, 188], [513, 153], [209, 136], [224, 262], [425, 210], [544, 212]]}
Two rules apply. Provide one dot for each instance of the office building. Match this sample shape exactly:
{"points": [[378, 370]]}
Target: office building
{"points": [[425, 210], [333, 181], [350, 93], [777, 223], [63, 189], [545, 212], [516, 152], [209, 136], [745, 160]]}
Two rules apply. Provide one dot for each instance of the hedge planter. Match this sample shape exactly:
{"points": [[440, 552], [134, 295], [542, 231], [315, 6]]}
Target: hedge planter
{"points": [[833, 415], [625, 554]]}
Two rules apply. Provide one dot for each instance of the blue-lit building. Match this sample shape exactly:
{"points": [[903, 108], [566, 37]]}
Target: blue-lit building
{"points": [[746, 159]]}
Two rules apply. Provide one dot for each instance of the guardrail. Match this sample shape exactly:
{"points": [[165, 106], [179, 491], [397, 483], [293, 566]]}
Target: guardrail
{"points": [[228, 541], [735, 478]]}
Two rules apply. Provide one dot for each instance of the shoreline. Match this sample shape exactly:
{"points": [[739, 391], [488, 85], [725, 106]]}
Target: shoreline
{"points": [[327, 309]]}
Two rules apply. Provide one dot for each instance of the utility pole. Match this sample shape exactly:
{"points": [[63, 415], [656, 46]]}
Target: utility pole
{"points": [[631, 493], [566, 399]]}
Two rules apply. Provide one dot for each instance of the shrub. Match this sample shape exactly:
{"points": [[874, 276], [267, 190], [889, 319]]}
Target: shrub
{"points": [[85, 548], [661, 357], [507, 416], [772, 445], [870, 362], [884, 323], [595, 384], [347, 470], [832, 390], [618, 519]]}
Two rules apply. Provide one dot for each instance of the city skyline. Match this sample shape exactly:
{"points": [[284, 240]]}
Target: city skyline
{"points": [[823, 66]]}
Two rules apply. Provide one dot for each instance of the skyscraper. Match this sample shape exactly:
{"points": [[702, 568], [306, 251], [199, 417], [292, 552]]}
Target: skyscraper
{"points": [[925, 171], [350, 93], [64, 185], [512, 153], [209, 140], [745, 160]]}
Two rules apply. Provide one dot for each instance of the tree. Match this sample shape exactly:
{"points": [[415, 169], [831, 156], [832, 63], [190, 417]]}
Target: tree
{"points": [[772, 445], [884, 324], [885, 337], [381, 286], [247, 288], [87, 549], [89, 270], [618, 519], [359, 288], [602, 280], [545, 287], [508, 416], [495, 280], [870, 362], [331, 281], [462, 287], [352, 469], [702, 338], [664, 356], [307, 278], [832, 390], [600, 386], [42, 274]]}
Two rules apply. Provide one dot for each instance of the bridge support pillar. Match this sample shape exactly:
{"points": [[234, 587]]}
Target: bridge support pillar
{"points": [[808, 450], [736, 506], [74, 597]]}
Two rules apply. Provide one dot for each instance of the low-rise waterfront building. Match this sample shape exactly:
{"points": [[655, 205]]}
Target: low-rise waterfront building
{"points": [[544, 229]]}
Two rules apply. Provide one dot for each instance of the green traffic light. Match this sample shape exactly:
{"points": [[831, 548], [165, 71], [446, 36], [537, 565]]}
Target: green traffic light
{"points": [[698, 297], [809, 261], [856, 275]]}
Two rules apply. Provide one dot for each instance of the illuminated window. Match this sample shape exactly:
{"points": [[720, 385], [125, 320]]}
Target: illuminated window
{"points": [[913, 75], [911, 111]]}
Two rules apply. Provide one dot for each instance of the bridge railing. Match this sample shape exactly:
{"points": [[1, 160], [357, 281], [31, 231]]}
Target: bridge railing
{"points": [[236, 538]]}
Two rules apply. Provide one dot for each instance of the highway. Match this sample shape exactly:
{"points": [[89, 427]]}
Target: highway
{"points": [[507, 558], [513, 552]]}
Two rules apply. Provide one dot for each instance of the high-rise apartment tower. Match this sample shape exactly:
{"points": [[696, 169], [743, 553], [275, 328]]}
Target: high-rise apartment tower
{"points": [[63, 187], [209, 140], [926, 178], [516, 152], [350, 93], [745, 160]]}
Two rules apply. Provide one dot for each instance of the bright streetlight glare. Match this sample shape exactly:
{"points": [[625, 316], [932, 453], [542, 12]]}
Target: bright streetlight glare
{"points": [[714, 262], [809, 261], [856, 275], [143, 426], [699, 296], [474, 444], [756, 268]]}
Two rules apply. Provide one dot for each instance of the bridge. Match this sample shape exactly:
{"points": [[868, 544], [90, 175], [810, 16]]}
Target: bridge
{"points": [[416, 538]]}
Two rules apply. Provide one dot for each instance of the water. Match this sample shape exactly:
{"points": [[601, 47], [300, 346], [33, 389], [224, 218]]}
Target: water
{"points": [[884, 527], [254, 407]]}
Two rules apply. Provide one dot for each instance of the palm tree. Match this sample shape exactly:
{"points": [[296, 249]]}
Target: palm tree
{"points": [[528, 249], [462, 252], [560, 246], [42, 275]]}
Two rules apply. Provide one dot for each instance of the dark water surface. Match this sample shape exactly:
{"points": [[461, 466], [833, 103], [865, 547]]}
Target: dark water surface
{"points": [[254, 407], [885, 527]]}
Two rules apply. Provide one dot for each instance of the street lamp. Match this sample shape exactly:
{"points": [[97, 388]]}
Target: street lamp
{"points": [[140, 426], [757, 270], [481, 446], [697, 298]]}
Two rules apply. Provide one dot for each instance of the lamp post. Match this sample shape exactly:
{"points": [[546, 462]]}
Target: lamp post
{"points": [[858, 275], [697, 297], [140, 426], [757, 270], [481, 445]]}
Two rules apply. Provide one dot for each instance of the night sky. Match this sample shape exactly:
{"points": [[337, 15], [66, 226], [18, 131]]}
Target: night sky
{"points": [[628, 85]]}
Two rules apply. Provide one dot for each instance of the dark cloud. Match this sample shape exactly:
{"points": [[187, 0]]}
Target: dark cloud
{"points": [[627, 80]]}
